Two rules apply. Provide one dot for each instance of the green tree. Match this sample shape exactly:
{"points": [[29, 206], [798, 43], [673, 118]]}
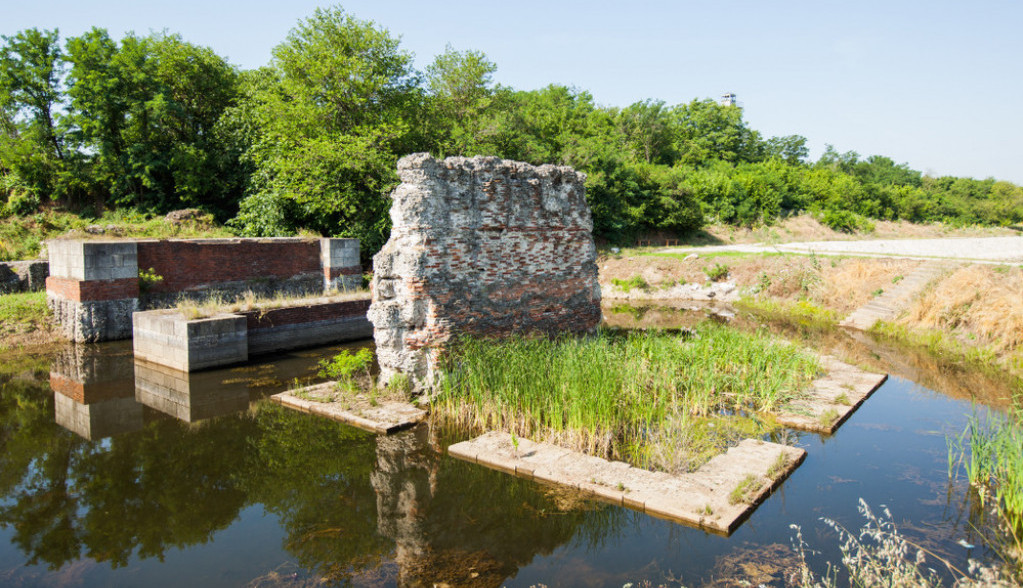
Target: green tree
{"points": [[647, 129], [460, 87], [791, 149], [705, 131], [331, 119], [148, 111], [33, 153]]}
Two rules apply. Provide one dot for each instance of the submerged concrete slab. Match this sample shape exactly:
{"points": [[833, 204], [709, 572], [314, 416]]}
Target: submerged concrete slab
{"points": [[384, 416], [707, 498], [831, 399]]}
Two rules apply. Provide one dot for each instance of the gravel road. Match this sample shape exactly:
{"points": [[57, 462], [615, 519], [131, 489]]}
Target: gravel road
{"points": [[977, 249]]}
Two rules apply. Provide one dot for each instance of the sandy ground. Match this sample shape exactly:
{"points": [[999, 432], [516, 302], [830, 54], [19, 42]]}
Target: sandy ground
{"points": [[976, 249]]}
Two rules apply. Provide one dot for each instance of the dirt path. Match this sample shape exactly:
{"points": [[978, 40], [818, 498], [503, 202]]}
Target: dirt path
{"points": [[974, 249]]}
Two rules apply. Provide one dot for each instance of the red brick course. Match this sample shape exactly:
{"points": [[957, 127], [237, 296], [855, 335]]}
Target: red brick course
{"points": [[186, 265], [81, 291], [294, 315]]}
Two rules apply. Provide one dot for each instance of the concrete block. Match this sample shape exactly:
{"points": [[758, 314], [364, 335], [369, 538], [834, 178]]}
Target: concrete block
{"points": [[191, 344], [109, 260]]}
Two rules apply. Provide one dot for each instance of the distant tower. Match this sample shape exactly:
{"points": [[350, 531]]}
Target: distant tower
{"points": [[729, 99]]}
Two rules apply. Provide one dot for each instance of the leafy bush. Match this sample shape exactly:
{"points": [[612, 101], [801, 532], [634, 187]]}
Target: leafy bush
{"points": [[845, 221], [347, 368], [716, 273]]}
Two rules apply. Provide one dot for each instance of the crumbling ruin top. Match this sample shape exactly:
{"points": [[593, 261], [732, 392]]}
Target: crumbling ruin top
{"points": [[480, 246]]}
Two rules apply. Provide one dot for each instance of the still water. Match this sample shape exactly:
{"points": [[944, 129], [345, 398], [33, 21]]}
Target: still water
{"points": [[117, 474]]}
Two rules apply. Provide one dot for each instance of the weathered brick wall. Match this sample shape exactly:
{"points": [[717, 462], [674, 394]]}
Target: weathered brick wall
{"points": [[480, 246], [306, 313], [200, 263]]}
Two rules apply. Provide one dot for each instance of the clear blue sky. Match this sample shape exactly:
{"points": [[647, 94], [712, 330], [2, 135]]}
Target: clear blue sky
{"points": [[934, 83]]}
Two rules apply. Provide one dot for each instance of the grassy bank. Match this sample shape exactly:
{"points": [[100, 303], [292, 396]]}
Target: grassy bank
{"points": [[21, 237], [972, 314], [25, 319], [658, 400]]}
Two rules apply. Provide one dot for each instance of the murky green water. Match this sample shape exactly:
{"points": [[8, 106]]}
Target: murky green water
{"points": [[114, 475]]}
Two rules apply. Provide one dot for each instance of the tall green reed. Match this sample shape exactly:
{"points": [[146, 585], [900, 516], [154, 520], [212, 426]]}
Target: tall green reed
{"points": [[624, 394], [990, 451]]}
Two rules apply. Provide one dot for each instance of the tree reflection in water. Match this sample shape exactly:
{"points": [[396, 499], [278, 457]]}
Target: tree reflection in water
{"points": [[353, 507]]}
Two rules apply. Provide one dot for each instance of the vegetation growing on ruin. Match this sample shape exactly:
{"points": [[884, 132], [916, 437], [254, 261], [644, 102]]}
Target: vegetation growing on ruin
{"points": [[662, 400], [213, 304], [154, 123]]}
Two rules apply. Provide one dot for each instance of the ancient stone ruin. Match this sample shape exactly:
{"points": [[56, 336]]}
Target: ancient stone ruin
{"points": [[480, 246], [94, 286]]}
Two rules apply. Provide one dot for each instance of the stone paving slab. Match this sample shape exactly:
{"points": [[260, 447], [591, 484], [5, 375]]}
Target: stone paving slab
{"points": [[384, 417], [832, 399], [702, 498]]}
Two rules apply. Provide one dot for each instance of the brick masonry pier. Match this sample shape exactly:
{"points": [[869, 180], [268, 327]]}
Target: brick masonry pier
{"points": [[485, 247]]}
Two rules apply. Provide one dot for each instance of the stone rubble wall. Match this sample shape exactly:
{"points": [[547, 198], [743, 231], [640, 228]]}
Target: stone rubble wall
{"points": [[480, 246]]}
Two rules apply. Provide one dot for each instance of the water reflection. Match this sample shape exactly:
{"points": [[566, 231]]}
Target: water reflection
{"points": [[94, 391], [246, 496], [188, 397]]}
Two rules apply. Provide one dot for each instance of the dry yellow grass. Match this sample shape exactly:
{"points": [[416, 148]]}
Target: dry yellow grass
{"points": [[978, 304], [853, 282], [805, 227]]}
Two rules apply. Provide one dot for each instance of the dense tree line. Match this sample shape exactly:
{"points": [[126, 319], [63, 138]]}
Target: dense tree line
{"points": [[310, 141]]}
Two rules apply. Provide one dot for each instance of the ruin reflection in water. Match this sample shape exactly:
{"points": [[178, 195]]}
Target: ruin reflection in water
{"points": [[267, 496]]}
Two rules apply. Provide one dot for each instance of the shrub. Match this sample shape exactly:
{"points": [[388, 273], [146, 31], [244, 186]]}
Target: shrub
{"points": [[346, 368]]}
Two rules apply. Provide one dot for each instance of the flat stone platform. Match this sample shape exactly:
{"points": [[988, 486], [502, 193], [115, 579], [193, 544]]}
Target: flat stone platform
{"points": [[717, 497], [383, 417], [831, 399]]}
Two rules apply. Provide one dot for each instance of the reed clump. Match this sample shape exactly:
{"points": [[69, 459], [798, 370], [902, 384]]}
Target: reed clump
{"points": [[991, 453], [663, 400]]}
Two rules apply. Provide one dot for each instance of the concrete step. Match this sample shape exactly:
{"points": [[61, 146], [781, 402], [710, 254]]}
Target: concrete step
{"points": [[888, 304]]}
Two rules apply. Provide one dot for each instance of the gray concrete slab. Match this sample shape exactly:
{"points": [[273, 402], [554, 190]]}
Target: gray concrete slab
{"points": [[382, 417], [717, 497]]}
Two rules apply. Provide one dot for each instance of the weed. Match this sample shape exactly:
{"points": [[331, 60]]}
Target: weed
{"points": [[633, 283], [305, 394], [991, 454], [764, 282], [647, 397], [148, 279], [878, 555], [346, 368], [707, 510], [23, 313], [779, 466], [828, 417], [744, 490], [877, 292], [843, 399], [717, 273], [897, 279], [401, 382]]}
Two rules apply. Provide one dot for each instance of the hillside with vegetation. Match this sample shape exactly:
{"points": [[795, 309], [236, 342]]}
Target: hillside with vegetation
{"points": [[148, 124]]}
